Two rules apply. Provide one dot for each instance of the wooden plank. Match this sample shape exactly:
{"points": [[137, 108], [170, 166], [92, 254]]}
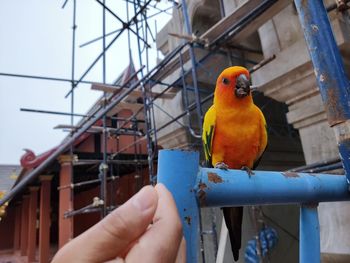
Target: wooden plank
{"points": [[105, 87], [134, 93], [93, 129], [65, 126], [99, 129]]}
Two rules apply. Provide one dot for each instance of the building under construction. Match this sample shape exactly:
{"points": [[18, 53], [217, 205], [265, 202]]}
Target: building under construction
{"points": [[112, 151]]}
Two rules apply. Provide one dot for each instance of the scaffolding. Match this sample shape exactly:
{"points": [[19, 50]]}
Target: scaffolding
{"points": [[140, 84]]}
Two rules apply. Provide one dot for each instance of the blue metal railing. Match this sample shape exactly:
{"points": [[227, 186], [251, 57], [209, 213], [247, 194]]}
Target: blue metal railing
{"points": [[194, 187]]}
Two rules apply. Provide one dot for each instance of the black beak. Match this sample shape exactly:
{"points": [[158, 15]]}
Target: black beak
{"points": [[242, 86]]}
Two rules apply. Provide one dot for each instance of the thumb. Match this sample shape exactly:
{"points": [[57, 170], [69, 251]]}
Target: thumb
{"points": [[111, 236]]}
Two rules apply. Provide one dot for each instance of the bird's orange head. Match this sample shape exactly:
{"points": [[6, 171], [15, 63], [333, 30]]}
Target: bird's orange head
{"points": [[233, 87]]}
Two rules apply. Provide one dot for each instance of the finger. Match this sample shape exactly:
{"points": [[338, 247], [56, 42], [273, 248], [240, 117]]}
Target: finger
{"points": [[105, 240], [161, 242], [126, 251], [181, 254], [117, 260]]}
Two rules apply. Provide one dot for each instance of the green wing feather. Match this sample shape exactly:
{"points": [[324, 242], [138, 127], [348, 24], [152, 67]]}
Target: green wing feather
{"points": [[208, 134], [263, 142]]}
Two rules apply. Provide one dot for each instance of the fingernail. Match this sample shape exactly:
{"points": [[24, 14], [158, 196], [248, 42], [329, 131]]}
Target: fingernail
{"points": [[144, 198]]}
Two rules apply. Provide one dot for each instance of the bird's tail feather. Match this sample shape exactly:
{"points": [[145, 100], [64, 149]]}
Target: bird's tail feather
{"points": [[233, 219]]}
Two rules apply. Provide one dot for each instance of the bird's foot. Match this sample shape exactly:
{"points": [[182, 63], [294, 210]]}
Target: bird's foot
{"points": [[221, 165], [248, 170]]}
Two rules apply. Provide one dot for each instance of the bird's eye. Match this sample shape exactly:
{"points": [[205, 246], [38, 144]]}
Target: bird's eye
{"points": [[225, 81]]}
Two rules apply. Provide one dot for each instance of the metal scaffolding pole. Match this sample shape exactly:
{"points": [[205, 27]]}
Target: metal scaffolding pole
{"points": [[146, 107], [199, 110], [66, 144], [330, 73], [71, 148], [125, 26], [103, 166]]}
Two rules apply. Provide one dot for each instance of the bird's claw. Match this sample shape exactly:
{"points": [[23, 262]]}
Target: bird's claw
{"points": [[248, 170], [221, 165]]}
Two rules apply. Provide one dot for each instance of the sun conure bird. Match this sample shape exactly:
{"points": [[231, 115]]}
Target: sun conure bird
{"points": [[234, 136]]}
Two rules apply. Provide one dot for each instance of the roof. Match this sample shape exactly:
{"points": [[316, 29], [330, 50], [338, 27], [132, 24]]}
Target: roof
{"points": [[8, 176], [30, 160]]}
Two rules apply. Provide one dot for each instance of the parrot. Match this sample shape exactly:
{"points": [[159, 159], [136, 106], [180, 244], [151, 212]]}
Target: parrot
{"points": [[234, 136]]}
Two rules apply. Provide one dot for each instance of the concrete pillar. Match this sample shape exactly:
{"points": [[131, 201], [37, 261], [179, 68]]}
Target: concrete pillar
{"points": [[65, 227], [24, 225], [45, 219], [17, 238], [33, 206]]}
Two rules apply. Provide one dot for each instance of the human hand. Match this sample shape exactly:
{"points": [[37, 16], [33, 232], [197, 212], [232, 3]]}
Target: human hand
{"points": [[147, 228]]}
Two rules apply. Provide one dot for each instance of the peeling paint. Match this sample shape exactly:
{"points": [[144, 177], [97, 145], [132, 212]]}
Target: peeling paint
{"points": [[322, 78], [188, 220], [291, 174], [314, 28], [202, 186], [215, 178], [202, 197], [201, 193], [336, 114]]}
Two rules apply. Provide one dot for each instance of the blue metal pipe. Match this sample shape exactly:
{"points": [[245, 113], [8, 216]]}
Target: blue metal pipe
{"points": [[218, 187], [177, 170], [309, 231], [330, 72], [193, 186]]}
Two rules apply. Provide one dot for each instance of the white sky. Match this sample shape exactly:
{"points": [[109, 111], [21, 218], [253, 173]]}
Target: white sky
{"points": [[36, 39]]}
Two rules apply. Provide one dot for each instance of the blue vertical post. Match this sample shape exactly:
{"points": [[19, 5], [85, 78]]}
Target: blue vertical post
{"points": [[178, 171], [309, 244], [330, 72]]}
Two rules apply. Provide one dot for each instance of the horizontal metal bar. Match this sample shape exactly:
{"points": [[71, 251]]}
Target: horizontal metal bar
{"points": [[315, 165], [89, 162], [87, 211], [84, 210], [52, 79], [325, 168], [218, 187], [54, 112]]}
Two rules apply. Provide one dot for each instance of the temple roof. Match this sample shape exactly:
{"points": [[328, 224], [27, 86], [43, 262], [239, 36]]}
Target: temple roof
{"points": [[8, 176]]}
